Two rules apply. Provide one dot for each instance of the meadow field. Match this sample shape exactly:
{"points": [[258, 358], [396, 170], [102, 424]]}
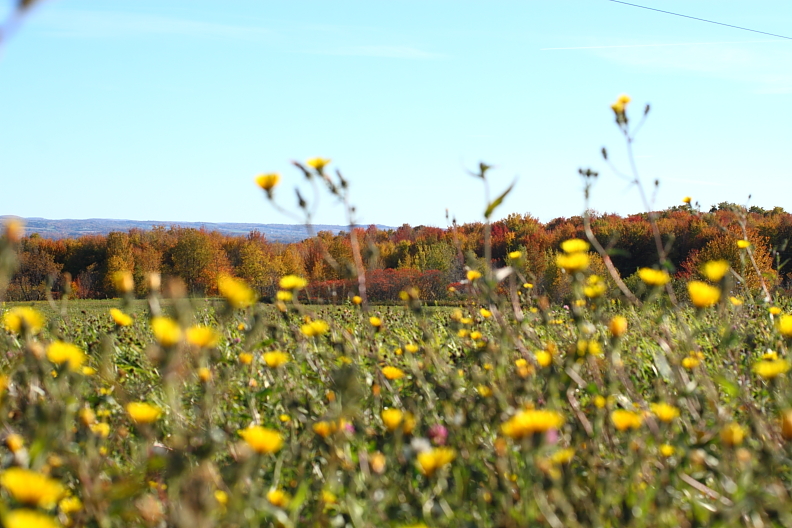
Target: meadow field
{"points": [[567, 398]]}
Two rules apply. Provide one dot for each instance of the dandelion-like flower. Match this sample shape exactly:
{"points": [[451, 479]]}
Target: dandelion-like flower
{"points": [[732, 434], [261, 439], [166, 331], [595, 287], [278, 497], [532, 421], [618, 326], [664, 412], [392, 373], [573, 262], [687, 199], [392, 418], [574, 245], [515, 255], [430, 461], [714, 270], [315, 328], [771, 368], [473, 275], [268, 181], [202, 336], [236, 292], [19, 318], [292, 282], [486, 314], [785, 325], [31, 488], [743, 244], [623, 419], [318, 163], [123, 281], [275, 358], [702, 295], [143, 413], [24, 518], [375, 321], [654, 277], [120, 318], [59, 353]]}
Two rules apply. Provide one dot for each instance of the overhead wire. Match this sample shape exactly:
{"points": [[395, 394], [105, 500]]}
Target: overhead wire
{"points": [[701, 19]]}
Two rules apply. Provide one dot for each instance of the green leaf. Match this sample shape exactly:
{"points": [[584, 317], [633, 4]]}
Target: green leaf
{"points": [[497, 201]]}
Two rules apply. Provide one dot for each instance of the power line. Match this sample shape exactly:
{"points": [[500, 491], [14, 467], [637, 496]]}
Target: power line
{"points": [[702, 19]]}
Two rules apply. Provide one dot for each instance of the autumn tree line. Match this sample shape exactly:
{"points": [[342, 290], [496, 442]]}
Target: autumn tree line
{"points": [[428, 258]]}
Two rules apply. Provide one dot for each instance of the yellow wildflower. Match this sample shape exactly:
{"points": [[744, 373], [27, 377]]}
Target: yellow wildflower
{"points": [[59, 353], [357, 299], [544, 358], [119, 317], [530, 421], [31, 488], [574, 245], [375, 321], [318, 163], [203, 336], [315, 328], [573, 262], [743, 244], [325, 428], [528, 286], [714, 270], [664, 412], [278, 498], [786, 424], [205, 374], [473, 275], [24, 518], [687, 199], [599, 401], [275, 358], [691, 362], [292, 282], [702, 295], [515, 255], [268, 181], [774, 310], [328, 497], [785, 325], [484, 391], [246, 358], [14, 229], [261, 439], [143, 413], [654, 277], [236, 292], [667, 450], [123, 281], [69, 505], [732, 434], [411, 348], [101, 429], [392, 418], [736, 301], [562, 456], [166, 331], [475, 335], [434, 459], [618, 326], [769, 369], [595, 287], [486, 314], [392, 373], [284, 295], [221, 497], [623, 419], [21, 318], [14, 442]]}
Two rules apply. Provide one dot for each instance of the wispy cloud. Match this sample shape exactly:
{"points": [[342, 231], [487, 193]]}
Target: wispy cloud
{"points": [[108, 24], [391, 52], [661, 45], [761, 64]]}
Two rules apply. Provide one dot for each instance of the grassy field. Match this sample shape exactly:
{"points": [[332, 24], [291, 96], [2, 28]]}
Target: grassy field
{"points": [[229, 413]]}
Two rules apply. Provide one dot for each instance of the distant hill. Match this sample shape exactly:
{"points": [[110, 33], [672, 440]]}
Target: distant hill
{"points": [[99, 226]]}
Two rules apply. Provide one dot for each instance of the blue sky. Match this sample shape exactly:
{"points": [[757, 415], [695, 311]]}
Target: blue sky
{"points": [[167, 110]]}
